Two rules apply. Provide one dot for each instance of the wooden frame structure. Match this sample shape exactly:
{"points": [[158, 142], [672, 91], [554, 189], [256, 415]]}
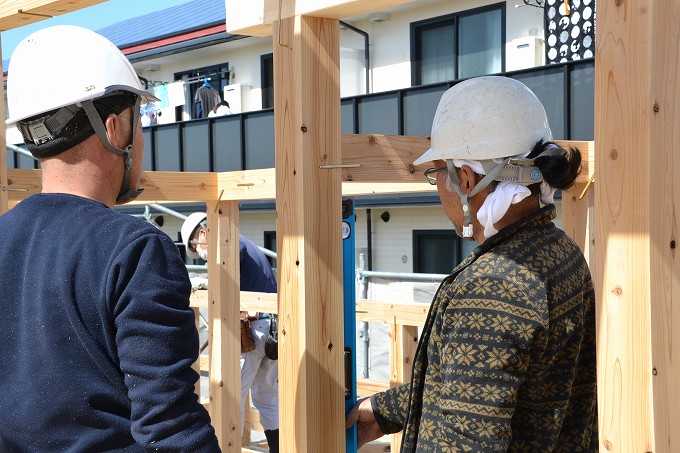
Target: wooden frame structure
{"points": [[631, 238]]}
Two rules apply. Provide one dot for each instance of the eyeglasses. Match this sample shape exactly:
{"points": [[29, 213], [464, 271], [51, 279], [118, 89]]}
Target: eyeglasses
{"points": [[196, 239], [431, 174]]}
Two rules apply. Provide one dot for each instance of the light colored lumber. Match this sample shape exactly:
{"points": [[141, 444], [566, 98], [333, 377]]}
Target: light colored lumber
{"points": [[376, 447], [386, 167], [254, 17], [254, 419], [578, 204], [401, 313], [367, 387], [223, 319], [159, 186], [403, 343], [308, 205], [637, 125], [245, 434], [3, 154], [197, 364], [17, 13]]}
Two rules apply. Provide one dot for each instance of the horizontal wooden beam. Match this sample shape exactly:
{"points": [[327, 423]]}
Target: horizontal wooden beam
{"points": [[371, 165], [17, 13], [402, 314], [159, 186], [254, 17]]}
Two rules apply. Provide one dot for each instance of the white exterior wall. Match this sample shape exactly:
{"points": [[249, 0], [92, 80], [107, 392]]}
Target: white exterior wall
{"points": [[389, 48]]}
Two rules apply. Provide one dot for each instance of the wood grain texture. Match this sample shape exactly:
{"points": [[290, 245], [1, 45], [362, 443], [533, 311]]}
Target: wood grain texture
{"points": [[223, 320], [254, 17], [404, 340], [17, 13], [385, 167], [664, 194], [636, 70], [578, 207], [4, 199], [308, 206]]}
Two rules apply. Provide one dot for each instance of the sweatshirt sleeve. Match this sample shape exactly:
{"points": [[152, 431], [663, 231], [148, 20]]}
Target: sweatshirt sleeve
{"points": [[390, 408], [157, 343]]}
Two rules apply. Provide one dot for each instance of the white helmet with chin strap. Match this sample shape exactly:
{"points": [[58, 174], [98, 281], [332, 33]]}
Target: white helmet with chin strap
{"points": [[56, 72], [191, 223], [494, 120]]}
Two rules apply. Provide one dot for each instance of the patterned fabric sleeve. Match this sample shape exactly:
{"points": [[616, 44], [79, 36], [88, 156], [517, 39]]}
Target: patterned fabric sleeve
{"points": [[390, 408]]}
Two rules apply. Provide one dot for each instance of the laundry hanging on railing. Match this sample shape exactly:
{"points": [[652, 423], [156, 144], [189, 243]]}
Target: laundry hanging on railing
{"points": [[205, 99]]}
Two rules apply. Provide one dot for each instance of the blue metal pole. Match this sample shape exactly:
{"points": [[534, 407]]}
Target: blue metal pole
{"points": [[350, 317]]}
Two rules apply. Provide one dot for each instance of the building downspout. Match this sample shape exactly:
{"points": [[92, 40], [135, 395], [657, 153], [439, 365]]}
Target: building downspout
{"points": [[366, 55], [364, 287]]}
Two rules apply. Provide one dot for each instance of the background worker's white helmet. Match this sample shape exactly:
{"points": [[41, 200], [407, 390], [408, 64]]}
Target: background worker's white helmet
{"points": [[63, 65], [486, 118], [188, 227]]}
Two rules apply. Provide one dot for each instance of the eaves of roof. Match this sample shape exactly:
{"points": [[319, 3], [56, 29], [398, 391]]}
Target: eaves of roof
{"points": [[177, 29]]}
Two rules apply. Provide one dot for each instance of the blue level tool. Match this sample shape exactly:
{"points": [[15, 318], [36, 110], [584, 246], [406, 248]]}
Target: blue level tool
{"points": [[350, 315]]}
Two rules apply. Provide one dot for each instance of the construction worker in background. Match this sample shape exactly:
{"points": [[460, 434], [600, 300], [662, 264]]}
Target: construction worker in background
{"points": [[259, 367], [96, 335], [506, 359]]}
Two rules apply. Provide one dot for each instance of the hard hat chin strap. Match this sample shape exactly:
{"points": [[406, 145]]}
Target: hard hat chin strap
{"points": [[126, 194], [481, 185]]}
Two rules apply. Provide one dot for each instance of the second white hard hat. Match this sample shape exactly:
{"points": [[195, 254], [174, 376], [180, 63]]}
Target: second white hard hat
{"points": [[486, 118], [190, 224]]}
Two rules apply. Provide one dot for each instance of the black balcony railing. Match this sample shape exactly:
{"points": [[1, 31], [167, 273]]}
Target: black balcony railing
{"points": [[246, 141]]}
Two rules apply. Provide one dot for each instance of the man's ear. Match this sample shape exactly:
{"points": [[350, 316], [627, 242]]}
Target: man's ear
{"points": [[468, 179], [113, 129]]}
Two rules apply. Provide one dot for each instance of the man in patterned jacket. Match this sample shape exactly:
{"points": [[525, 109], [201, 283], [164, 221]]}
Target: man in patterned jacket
{"points": [[506, 359]]}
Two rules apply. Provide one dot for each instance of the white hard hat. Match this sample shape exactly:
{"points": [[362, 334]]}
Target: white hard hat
{"points": [[62, 65], [190, 224], [486, 118]]}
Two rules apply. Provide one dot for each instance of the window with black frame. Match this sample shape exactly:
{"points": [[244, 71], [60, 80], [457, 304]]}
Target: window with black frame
{"points": [[270, 244], [436, 251], [267, 80], [217, 76], [458, 46]]}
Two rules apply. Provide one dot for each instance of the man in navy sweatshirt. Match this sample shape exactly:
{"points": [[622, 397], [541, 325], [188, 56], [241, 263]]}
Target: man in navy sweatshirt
{"points": [[96, 335]]}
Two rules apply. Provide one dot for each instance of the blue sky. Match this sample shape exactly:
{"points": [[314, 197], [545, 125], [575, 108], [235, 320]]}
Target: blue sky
{"points": [[93, 17]]}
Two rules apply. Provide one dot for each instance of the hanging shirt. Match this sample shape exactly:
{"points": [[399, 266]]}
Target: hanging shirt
{"points": [[204, 100]]}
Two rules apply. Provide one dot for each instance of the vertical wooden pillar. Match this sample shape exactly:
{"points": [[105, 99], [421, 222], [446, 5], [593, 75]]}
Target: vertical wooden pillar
{"points": [[3, 151], [637, 130], [308, 222], [197, 364], [578, 210], [402, 351], [223, 317], [663, 202]]}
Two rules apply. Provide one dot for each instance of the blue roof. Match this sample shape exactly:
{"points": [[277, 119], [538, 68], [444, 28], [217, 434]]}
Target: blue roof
{"points": [[173, 21], [177, 20]]}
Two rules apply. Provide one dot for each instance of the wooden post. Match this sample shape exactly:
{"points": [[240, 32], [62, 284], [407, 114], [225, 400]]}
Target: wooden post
{"points": [[3, 152], [637, 127], [308, 221], [578, 205], [402, 351], [223, 317], [197, 364]]}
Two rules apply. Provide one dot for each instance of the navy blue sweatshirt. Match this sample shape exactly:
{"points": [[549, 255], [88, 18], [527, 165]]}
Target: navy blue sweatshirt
{"points": [[96, 335]]}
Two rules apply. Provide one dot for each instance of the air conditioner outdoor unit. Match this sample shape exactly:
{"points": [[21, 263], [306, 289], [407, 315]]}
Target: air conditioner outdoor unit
{"points": [[234, 95], [525, 52]]}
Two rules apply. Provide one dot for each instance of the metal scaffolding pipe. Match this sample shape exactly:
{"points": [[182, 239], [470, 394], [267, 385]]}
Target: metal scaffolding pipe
{"points": [[181, 216], [20, 150], [402, 276]]}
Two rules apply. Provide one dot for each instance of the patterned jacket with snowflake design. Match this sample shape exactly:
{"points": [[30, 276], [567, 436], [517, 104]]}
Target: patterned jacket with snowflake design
{"points": [[506, 359]]}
